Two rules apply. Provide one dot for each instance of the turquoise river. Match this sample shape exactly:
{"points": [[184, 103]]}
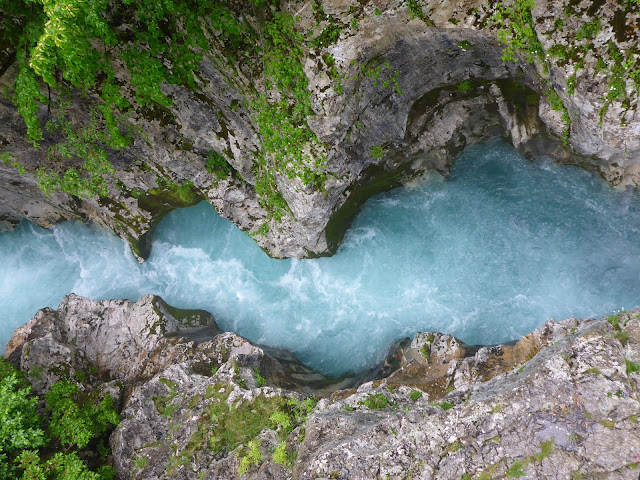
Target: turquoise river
{"points": [[487, 254]]}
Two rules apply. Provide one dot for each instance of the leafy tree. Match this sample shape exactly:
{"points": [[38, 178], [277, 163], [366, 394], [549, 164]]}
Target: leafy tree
{"points": [[62, 466], [79, 48], [19, 421], [74, 422], [72, 46], [77, 419]]}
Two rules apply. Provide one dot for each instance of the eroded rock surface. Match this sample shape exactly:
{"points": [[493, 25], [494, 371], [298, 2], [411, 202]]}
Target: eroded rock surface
{"points": [[562, 402], [398, 91]]}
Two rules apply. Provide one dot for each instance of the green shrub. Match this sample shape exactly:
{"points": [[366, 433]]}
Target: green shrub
{"points": [[280, 418], [230, 428], [62, 466], [622, 336], [415, 395], [19, 421], [282, 457], [415, 10], [545, 450], [425, 349], [516, 29], [249, 456], [558, 51], [75, 421]]}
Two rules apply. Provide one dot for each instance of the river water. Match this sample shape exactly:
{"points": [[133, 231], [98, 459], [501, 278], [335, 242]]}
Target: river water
{"points": [[487, 254]]}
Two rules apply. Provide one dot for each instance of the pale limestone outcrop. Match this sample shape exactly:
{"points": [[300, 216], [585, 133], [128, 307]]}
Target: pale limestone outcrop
{"points": [[420, 124], [562, 402]]}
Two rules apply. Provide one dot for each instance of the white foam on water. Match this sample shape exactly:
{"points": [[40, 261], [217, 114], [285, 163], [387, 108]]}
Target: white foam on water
{"points": [[487, 254]]}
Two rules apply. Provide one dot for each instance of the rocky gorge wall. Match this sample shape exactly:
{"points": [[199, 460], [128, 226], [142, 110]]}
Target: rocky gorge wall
{"points": [[562, 402], [396, 89]]}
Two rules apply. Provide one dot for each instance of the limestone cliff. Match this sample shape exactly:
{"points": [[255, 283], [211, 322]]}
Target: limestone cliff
{"points": [[397, 88], [562, 402]]}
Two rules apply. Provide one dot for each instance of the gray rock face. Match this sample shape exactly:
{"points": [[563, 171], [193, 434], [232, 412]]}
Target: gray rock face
{"points": [[562, 402], [421, 128]]}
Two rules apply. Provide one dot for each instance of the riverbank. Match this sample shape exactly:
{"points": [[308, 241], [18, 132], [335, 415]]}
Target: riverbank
{"points": [[563, 401]]}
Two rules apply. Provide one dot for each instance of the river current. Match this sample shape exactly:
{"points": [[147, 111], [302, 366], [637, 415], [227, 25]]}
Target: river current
{"points": [[487, 254]]}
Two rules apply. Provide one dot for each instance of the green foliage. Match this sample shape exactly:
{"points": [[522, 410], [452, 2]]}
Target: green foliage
{"points": [[545, 450], [415, 395], [263, 229], [465, 86], [381, 74], [62, 466], [614, 320], [19, 421], [140, 463], [286, 136], [227, 427], [622, 336], [557, 105], [588, 30], [230, 428], [445, 404], [376, 401], [300, 410], [516, 30], [268, 195], [377, 151], [249, 456], [621, 68], [282, 457], [328, 36], [425, 350], [86, 144], [260, 380], [8, 160], [515, 470], [164, 45], [632, 367], [185, 191], [415, 10], [73, 47], [572, 82], [558, 51], [464, 45], [218, 165], [282, 419], [74, 420]]}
